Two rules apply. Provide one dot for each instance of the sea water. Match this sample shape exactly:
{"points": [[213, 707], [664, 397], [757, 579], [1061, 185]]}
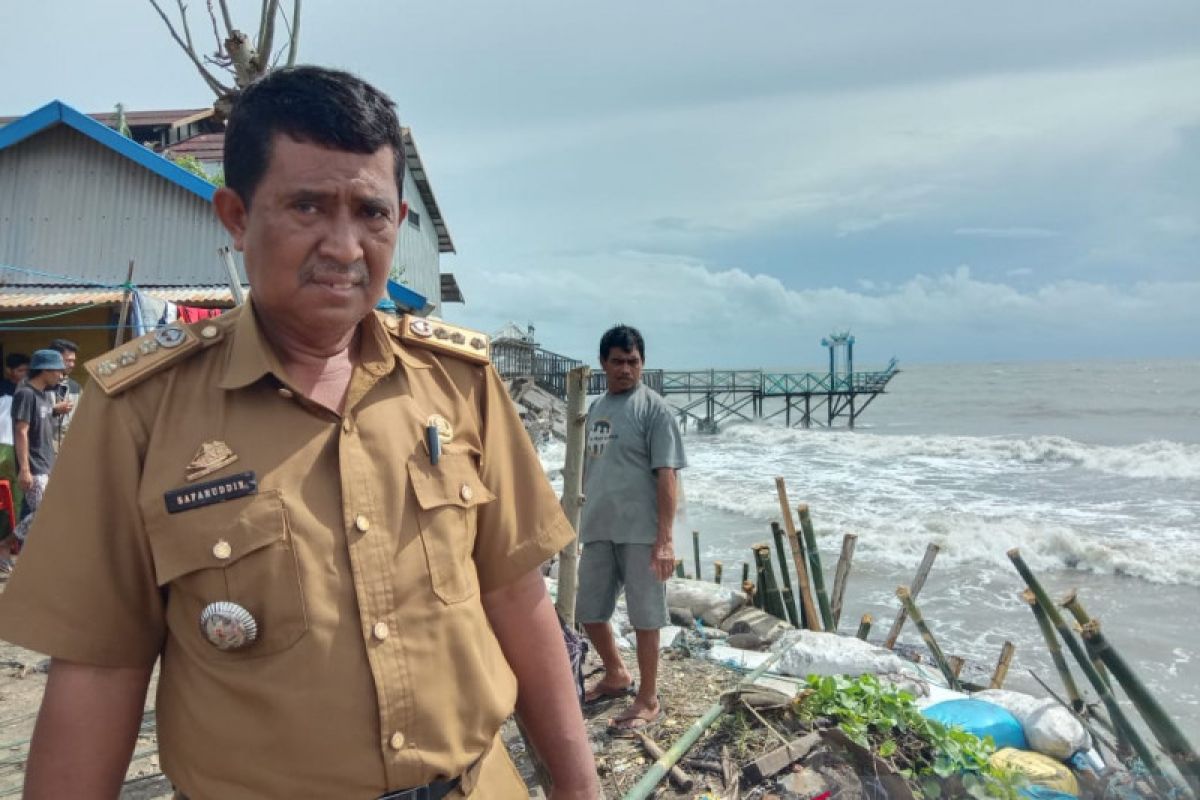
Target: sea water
{"points": [[1092, 469]]}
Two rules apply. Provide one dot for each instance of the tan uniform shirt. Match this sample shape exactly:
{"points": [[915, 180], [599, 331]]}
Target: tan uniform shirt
{"points": [[362, 563]]}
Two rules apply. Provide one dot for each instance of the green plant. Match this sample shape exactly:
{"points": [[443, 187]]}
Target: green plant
{"points": [[193, 165], [931, 757]]}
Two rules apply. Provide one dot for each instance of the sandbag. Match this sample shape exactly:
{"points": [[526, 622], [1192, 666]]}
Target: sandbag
{"points": [[752, 620], [1040, 770], [709, 602], [813, 653], [980, 718], [1049, 728]]}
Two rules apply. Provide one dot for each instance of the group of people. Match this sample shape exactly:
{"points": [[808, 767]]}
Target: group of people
{"points": [[327, 524], [37, 402]]}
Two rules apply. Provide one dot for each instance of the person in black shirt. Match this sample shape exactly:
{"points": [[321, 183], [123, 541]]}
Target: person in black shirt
{"points": [[15, 367]]}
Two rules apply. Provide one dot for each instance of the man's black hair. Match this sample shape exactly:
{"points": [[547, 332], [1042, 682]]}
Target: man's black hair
{"points": [[64, 346], [320, 106], [14, 360], [625, 337]]}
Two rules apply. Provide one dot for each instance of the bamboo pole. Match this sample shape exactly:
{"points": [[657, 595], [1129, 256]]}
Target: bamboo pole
{"points": [[793, 611], [1056, 655], [752, 594], [679, 573], [1161, 725], [680, 778], [864, 626], [717, 569], [235, 283], [1002, 665], [772, 597], [696, 551], [572, 497], [947, 672], [814, 563], [1120, 721], [956, 665], [840, 577], [745, 572], [918, 582], [1071, 603], [645, 787], [808, 613], [126, 300]]}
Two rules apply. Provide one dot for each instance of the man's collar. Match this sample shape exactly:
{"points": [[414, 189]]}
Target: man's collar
{"points": [[251, 356]]}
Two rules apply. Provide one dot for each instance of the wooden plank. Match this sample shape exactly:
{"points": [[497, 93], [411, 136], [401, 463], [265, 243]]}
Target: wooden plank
{"points": [[780, 759]]}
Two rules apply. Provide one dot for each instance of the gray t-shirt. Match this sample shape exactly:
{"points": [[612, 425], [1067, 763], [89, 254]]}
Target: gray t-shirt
{"points": [[36, 408], [628, 436]]}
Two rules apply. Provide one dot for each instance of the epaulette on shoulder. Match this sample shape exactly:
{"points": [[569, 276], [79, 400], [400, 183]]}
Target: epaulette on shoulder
{"points": [[442, 337], [135, 361]]}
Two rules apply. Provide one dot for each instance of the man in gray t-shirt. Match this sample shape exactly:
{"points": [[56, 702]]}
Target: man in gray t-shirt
{"points": [[634, 449]]}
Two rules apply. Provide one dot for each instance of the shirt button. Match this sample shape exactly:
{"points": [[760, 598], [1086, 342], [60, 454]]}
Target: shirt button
{"points": [[286, 393], [397, 741], [222, 550], [466, 493], [380, 631], [209, 331], [362, 523]]}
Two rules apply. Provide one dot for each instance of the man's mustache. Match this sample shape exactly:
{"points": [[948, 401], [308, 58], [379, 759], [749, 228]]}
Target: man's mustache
{"points": [[355, 272]]}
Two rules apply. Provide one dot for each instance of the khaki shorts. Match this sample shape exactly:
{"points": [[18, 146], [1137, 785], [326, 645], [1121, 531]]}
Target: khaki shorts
{"points": [[604, 568]]}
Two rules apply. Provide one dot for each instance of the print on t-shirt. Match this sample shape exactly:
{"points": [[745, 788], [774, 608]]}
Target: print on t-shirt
{"points": [[599, 437]]}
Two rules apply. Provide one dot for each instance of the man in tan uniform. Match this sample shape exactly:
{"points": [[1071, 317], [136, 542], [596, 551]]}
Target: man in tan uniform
{"points": [[327, 522]]}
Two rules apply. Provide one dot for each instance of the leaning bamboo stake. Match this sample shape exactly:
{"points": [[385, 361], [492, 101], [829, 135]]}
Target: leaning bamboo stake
{"points": [[717, 569], [919, 581], [696, 551], [840, 577], [956, 665], [1071, 603], [645, 787], [1002, 665], [943, 664], [126, 302], [1056, 654], [680, 778], [1161, 725], [808, 613], [789, 596], [1120, 721], [745, 572], [572, 497], [864, 626], [814, 564], [679, 573]]}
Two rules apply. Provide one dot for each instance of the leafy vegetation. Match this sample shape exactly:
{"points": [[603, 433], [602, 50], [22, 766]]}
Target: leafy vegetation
{"points": [[193, 165], [935, 760]]}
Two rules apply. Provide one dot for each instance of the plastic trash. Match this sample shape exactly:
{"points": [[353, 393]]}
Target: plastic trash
{"points": [[1045, 773], [1049, 728], [812, 653], [980, 718]]}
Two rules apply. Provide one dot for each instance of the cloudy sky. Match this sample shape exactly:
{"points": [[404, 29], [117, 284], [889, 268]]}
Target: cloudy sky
{"points": [[951, 181]]}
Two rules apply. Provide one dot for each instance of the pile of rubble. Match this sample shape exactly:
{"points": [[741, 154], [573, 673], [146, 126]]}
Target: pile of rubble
{"points": [[544, 415]]}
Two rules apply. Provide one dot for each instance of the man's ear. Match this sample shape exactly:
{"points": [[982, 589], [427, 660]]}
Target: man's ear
{"points": [[232, 213]]}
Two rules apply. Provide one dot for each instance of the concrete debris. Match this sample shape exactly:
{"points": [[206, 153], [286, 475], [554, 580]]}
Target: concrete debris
{"points": [[544, 415]]}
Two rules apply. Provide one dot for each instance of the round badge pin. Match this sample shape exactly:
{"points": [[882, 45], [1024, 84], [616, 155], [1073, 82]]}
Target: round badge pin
{"points": [[170, 336], [228, 626], [421, 327]]}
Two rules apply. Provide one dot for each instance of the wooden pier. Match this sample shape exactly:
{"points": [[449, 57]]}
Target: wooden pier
{"points": [[709, 398]]}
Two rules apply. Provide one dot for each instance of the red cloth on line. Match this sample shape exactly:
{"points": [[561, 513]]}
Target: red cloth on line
{"points": [[194, 314]]}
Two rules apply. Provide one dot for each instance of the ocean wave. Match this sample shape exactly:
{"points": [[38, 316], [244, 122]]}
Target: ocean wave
{"points": [[1159, 459]]}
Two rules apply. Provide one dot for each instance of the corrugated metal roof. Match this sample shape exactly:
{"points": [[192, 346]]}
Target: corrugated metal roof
{"points": [[13, 298], [451, 293], [208, 147], [170, 117]]}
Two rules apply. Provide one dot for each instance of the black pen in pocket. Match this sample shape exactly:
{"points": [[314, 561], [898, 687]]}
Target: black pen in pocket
{"points": [[434, 443]]}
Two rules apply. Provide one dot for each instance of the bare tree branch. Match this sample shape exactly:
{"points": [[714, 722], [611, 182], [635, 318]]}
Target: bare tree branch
{"points": [[228, 19], [215, 85], [212, 15], [294, 34], [187, 32], [266, 34]]}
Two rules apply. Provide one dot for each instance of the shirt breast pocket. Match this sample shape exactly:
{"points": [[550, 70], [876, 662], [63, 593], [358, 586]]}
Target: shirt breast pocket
{"points": [[448, 495], [206, 555]]}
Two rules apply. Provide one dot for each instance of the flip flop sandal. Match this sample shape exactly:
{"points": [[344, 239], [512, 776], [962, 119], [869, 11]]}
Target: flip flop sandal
{"points": [[629, 726], [603, 694]]}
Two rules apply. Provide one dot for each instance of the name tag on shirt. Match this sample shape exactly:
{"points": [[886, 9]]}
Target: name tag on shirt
{"points": [[206, 494]]}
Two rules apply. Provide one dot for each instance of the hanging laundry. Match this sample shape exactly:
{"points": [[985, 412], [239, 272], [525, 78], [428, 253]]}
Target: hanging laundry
{"points": [[151, 313], [194, 314]]}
